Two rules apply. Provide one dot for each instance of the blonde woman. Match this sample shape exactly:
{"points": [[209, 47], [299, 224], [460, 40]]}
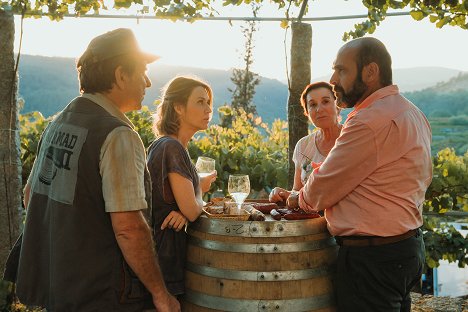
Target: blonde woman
{"points": [[186, 107]]}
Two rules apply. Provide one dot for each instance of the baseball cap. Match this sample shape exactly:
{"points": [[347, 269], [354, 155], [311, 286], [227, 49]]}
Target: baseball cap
{"points": [[114, 43]]}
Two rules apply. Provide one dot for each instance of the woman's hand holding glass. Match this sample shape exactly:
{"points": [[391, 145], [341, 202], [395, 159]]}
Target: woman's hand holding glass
{"points": [[205, 182], [205, 166], [206, 171]]}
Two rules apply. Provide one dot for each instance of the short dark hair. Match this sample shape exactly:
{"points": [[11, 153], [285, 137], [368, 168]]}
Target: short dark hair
{"points": [[100, 76], [176, 91], [372, 50], [313, 86]]}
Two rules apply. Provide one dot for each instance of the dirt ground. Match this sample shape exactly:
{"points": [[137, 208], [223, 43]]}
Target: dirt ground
{"points": [[428, 303]]}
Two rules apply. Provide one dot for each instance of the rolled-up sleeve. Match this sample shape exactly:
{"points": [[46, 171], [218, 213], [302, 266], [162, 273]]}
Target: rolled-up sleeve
{"points": [[122, 166], [351, 160]]}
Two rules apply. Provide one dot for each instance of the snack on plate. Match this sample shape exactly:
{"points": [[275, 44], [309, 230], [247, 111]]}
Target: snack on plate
{"points": [[217, 201], [215, 209], [241, 215], [230, 208], [300, 216], [275, 214], [296, 214], [284, 211], [248, 207], [265, 207], [256, 215]]}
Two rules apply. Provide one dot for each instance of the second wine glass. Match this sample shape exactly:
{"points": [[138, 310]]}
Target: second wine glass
{"points": [[239, 188]]}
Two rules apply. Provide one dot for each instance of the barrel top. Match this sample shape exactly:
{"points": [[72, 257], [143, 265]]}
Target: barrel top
{"points": [[268, 228]]}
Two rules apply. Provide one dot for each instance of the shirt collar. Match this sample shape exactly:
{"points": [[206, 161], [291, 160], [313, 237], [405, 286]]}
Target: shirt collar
{"points": [[371, 99], [107, 104]]}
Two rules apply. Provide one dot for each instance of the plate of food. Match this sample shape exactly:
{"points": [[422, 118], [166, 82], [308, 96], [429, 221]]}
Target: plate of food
{"points": [[221, 212]]}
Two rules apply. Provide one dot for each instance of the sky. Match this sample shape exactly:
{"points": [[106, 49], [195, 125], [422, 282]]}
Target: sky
{"points": [[219, 45]]}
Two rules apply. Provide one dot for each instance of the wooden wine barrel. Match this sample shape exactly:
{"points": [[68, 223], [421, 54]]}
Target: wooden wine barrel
{"points": [[259, 266]]}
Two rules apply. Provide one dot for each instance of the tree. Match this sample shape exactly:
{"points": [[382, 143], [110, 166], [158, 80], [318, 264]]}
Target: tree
{"points": [[301, 48], [245, 80], [10, 164]]}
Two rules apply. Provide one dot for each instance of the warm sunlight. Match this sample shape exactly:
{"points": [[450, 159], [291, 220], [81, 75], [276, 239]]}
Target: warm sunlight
{"points": [[217, 44], [260, 163]]}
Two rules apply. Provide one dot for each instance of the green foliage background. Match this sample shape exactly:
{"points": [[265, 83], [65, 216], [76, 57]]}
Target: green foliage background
{"points": [[255, 148], [448, 192], [249, 146]]}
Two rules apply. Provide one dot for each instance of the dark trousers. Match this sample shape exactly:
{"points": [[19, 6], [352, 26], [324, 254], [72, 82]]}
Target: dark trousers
{"points": [[379, 278]]}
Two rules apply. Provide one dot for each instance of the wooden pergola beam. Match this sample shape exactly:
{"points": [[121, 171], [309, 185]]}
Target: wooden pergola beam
{"points": [[230, 18]]}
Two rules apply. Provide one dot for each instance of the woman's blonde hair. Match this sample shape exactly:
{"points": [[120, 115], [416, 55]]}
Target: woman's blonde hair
{"points": [[176, 92]]}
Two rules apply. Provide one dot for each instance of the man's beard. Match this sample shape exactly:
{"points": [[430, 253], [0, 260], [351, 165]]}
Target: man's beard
{"points": [[348, 100]]}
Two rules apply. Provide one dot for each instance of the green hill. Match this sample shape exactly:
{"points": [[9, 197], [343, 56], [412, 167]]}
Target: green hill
{"points": [[47, 84], [445, 99], [458, 83]]}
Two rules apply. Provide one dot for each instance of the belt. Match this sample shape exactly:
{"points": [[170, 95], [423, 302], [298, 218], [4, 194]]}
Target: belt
{"points": [[366, 241]]}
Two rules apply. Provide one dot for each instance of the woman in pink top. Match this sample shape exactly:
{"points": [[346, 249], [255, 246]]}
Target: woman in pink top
{"points": [[318, 102]]}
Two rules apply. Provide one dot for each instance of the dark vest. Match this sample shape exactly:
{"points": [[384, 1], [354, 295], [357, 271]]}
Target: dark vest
{"points": [[70, 259]]}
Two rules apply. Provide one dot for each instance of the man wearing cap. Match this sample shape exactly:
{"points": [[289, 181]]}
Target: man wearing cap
{"points": [[373, 182], [86, 244]]}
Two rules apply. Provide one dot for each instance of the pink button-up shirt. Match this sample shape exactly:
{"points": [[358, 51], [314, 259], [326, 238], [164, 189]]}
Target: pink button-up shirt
{"points": [[374, 179]]}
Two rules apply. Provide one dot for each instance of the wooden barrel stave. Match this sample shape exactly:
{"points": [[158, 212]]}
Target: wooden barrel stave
{"points": [[228, 288], [259, 266]]}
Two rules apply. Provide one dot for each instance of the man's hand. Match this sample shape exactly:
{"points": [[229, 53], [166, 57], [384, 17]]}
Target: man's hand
{"points": [[205, 182], [166, 302], [278, 194], [293, 200], [302, 203], [175, 220], [135, 241]]}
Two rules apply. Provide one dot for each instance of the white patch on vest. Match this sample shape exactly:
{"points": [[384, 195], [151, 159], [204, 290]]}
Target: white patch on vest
{"points": [[56, 170]]}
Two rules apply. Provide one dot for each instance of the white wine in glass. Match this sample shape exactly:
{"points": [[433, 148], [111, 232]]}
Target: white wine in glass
{"points": [[205, 166], [239, 188]]}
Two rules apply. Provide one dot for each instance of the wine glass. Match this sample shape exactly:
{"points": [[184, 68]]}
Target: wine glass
{"points": [[205, 166], [239, 188]]}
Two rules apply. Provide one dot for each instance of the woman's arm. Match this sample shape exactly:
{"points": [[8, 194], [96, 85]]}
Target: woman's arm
{"points": [[190, 204], [27, 195], [297, 179]]}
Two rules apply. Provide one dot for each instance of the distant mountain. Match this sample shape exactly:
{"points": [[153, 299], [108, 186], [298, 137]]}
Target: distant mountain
{"points": [[445, 99], [47, 84], [455, 84], [413, 79]]}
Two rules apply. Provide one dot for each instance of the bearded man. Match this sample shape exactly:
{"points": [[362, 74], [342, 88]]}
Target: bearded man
{"points": [[372, 184]]}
